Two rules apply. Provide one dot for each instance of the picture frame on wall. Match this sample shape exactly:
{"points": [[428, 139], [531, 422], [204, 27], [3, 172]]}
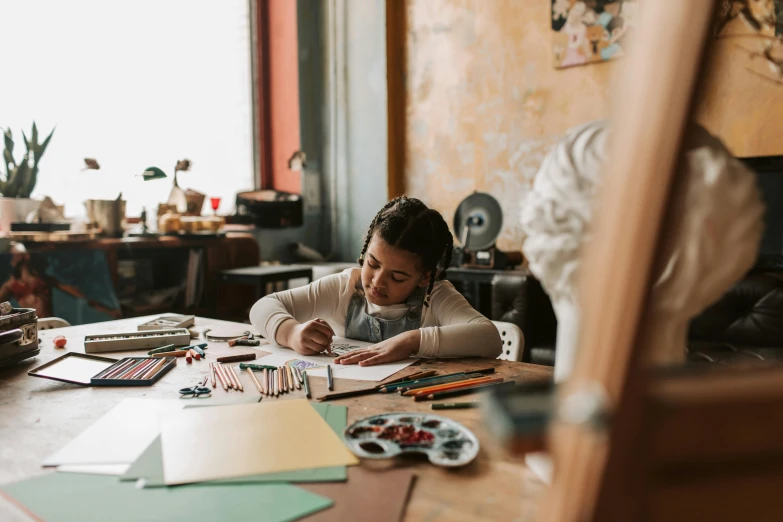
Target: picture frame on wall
{"points": [[590, 31]]}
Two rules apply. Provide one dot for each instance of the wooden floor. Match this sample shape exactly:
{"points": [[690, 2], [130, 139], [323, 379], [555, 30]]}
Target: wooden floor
{"points": [[38, 416]]}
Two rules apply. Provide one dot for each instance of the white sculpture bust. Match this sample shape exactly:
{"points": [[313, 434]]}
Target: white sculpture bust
{"points": [[708, 241]]}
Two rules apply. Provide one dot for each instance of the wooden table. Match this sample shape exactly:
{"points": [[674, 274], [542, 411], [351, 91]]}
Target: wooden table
{"points": [[39, 416]]}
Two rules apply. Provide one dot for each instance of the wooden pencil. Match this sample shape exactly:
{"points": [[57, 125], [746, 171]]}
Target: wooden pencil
{"points": [[263, 380], [277, 383], [128, 369], [306, 385], [299, 375], [478, 388], [329, 378], [452, 386], [222, 371], [212, 371], [437, 382], [142, 369], [116, 370], [237, 381], [345, 395], [219, 376], [255, 381], [283, 380], [288, 384], [227, 370], [403, 384], [133, 372], [152, 371], [443, 386]]}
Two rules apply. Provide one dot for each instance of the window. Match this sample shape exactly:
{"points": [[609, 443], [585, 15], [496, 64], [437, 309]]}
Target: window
{"points": [[133, 85]]}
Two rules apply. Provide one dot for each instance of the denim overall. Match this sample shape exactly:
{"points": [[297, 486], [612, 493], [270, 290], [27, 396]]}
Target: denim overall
{"points": [[363, 327]]}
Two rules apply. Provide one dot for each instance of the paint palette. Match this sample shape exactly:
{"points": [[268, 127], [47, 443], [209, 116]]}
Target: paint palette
{"points": [[444, 441]]}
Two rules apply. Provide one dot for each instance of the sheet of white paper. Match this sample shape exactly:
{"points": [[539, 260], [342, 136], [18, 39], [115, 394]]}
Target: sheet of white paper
{"points": [[97, 469], [119, 437], [280, 356]]}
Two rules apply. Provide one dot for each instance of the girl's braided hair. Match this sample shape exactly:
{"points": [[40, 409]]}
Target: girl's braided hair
{"points": [[409, 224]]}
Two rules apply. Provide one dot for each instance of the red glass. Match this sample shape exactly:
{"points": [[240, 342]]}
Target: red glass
{"points": [[215, 202]]}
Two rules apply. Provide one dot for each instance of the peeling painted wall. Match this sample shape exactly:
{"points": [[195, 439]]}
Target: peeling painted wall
{"points": [[485, 104]]}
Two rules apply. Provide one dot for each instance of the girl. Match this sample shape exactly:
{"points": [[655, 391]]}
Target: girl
{"points": [[397, 298]]}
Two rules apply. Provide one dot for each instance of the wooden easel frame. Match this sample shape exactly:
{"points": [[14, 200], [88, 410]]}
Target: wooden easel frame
{"points": [[656, 459]]}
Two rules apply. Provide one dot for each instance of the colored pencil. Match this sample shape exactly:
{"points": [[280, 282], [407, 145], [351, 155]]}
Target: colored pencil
{"points": [[255, 381], [454, 405], [479, 388], [447, 385], [152, 371], [232, 376], [141, 368], [437, 382], [329, 378], [289, 386], [452, 386], [435, 378], [277, 383], [222, 371], [114, 371], [134, 364], [411, 377], [346, 394], [396, 386], [237, 381], [306, 385], [299, 375], [219, 376], [140, 364], [212, 371], [263, 379]]}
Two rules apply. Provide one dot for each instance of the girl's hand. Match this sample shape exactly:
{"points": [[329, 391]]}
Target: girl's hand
{"points": [[310, 338], [397, 348]]}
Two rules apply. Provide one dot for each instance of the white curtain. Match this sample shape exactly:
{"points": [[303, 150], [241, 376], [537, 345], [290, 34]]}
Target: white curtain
{"points": [[133, 84]]}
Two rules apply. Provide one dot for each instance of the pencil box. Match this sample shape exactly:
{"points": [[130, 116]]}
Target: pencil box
{"points": [[144, 340], [93, 370], [18, 336]]}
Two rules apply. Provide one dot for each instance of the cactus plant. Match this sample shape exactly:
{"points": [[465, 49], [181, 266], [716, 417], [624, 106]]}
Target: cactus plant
{"points": [[20, 178]]}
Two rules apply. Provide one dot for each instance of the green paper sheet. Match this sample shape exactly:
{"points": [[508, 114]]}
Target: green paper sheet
{"points": [[149, 466], [74, 497]]}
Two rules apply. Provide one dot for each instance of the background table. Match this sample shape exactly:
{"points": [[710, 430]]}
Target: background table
{"points": [[39, 416]]}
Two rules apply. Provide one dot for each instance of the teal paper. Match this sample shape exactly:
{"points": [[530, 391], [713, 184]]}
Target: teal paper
{"points": [[149, 466], [74, 497]]}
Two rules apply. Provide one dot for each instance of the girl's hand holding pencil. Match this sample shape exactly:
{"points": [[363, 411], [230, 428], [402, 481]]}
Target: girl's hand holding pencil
{"points": [[310, 338]]}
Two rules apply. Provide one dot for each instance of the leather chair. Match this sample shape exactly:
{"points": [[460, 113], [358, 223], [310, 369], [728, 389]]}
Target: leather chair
{"points": [[744, 327]]}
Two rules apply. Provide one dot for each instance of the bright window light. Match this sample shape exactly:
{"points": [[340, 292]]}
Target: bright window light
{"points": [[132, 84]]}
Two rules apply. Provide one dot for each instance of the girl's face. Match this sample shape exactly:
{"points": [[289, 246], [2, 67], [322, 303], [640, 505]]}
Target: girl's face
{"points": [[390, 274]]}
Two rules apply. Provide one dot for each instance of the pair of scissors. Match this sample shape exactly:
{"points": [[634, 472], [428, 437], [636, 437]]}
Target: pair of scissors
{"points": [[198, 391]]}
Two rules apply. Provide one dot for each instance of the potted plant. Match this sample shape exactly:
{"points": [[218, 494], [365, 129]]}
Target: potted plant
{"points": [[20, 178]]}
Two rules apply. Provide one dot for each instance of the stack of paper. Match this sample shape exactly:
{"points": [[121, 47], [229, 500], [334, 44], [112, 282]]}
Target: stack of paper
{"points": [[226, 462]]}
